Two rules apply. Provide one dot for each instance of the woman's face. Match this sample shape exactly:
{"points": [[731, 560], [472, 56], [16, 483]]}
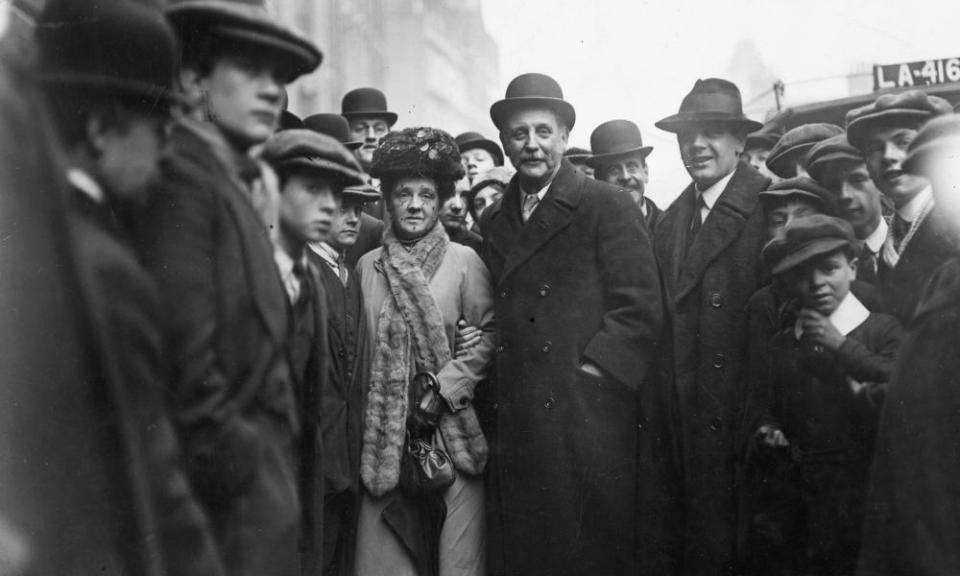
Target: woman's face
{"points": [[414, 207]]}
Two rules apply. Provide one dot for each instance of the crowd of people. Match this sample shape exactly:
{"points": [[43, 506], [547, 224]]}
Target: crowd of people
{"points": [[329, 345]]}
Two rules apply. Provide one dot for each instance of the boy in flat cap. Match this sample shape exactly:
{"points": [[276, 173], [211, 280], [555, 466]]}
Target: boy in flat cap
{"points": [[819, 414], [916, 244], [226, 314], [788, 157]]}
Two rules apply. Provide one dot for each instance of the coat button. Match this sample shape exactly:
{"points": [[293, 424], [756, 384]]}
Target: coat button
{"points": [[716, 300], [546, 346], [716, 424], [718, 360], [503, 293], [341, 352], [549, 403], [544, 290]]}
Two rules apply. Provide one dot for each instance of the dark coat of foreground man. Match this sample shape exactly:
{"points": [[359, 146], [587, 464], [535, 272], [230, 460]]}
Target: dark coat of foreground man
{"points": [[577, 281]]}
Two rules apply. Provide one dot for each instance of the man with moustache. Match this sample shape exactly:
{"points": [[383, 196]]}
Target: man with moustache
{"points": [[917, 242], [708, 246], [620, 158], [841, 169], [574, 415]]}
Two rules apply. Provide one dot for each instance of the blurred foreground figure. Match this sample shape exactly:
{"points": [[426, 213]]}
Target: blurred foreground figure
{"points": [[912, 522]]}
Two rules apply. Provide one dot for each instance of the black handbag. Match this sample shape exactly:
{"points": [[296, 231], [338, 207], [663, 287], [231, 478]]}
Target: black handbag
{"points": [[425, 468]]}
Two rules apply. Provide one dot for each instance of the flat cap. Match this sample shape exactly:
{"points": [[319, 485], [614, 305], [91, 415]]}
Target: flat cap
{"points": [[801, 187], [807, 238], [308, 150], [939, 140], [911, 108], [831, 150], [795, 144]]}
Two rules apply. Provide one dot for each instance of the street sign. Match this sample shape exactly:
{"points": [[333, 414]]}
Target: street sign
{"points": [[920, 73]]}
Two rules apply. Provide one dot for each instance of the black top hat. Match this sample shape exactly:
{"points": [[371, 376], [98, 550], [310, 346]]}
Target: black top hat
{"points": [[333, 125], [471, 140], [614, 139], [366, 102], [116, 45], [246, 21], [711, 100], [533, 89]]}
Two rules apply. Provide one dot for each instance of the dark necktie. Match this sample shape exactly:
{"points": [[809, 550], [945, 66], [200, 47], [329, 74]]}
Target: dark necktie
{"points": [[898, 229], [867, 271], [696, 221], [342, 269], [300, 273]]}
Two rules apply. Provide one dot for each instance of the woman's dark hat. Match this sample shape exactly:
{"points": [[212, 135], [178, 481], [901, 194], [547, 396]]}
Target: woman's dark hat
{"points": [[615, 139], [245, 21], [806, 238], [333, 125], [938, 140], [800, 187], [796, 143], [711, 100], [471, 140], [366, 103], [114, 45], [911, 108], [308, 150], [420, 151], [533, 90]]}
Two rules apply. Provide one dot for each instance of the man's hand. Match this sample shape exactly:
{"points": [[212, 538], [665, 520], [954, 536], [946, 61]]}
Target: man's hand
{"points": [[466, 338], [818, 329], [771, 437]]}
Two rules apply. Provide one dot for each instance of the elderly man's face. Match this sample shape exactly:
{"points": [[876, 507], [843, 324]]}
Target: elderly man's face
{"points": [[534, 140], [370, 131], [884, 149], [710, 151], [629, 172]]}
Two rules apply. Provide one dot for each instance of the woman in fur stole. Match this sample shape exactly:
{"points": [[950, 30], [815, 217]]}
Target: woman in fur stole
{"points": [[416, 288]]}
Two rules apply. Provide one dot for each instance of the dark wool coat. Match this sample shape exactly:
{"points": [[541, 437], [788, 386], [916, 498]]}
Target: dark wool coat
{"points": [[370, 238], [576, 283], [706, 291], [912, 522], [652, 215], [225, 318]]}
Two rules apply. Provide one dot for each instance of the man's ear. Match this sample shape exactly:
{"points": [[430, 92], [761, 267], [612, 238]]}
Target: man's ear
{"points": [[96, 134], [854, 262], [190, 83]]}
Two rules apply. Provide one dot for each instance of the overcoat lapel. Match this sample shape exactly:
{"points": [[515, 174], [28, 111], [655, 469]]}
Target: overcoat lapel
{"points": [[552, 215]]}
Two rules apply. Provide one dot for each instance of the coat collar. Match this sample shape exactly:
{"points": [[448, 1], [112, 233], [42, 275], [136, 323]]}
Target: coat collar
{"points": [[519, 240]]}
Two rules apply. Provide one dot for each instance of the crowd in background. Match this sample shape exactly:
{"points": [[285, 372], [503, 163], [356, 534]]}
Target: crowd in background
{"points": [[237, 341]]}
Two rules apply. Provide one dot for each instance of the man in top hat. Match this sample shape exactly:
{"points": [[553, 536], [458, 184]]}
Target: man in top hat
{"points": [[478, 154], [840, 168], [758, 146], [708, 245], [107, 69], [620, 158], [226, 314], [916, 244], [573, 355], [788, 158], [366, 111], [371, 227], [578, 157]]}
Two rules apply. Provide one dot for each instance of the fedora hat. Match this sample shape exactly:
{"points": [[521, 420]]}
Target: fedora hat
{"points": [[471, 140], [245, 21], [366, 102], [112, 45], [710, 100], [333, 125], [614, 139], [537, 90]]}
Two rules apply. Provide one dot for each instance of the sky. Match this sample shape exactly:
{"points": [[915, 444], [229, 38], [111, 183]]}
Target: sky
{"points": [[636, 59]]}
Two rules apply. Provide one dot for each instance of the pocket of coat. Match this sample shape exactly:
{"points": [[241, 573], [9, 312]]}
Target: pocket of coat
{"points": [[602, 382]]}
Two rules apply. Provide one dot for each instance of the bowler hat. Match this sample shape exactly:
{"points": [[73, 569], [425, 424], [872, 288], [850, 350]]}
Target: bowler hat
{"points": [[246, 21], [615, 139], [368, 103], [289, 120], [308, 150], [113, 45], [939, 137], [806, 238], [471, 140], [795, 144], [533, 90], [765, 137], [800, 187], [419, 151], [577, 155], [829, 151], [911, 109], [710, 100], [333, 125]]}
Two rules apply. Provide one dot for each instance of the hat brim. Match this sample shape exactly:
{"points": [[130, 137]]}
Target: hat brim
{"points": [[807, 252], [489, 145], [780, 163], [596, 160], [677, 122], [502, 109], [767, 141], [389, 117], [858, 128], [149, 92], [817, 167], [363, 193], [347, 176], [774, 195]]}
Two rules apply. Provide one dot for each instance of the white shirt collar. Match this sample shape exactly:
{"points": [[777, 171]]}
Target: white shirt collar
{"points": [[86, 184], [848, 315], [875, 240], [912, 209], [329, 254], [711, 194], [540, 193], [285, 265]]}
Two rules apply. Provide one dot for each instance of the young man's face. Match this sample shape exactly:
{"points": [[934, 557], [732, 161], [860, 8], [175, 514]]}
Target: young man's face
{"points": [[757, 157], [786, 211], [485, 198], [858, 195], [476, 161], [308, 203], [243, 96], [370, 131], [822, 283], [346, 225], [710, 151], [453, 213], [884, 150], [128, 154]]}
